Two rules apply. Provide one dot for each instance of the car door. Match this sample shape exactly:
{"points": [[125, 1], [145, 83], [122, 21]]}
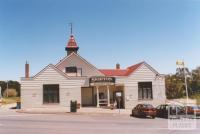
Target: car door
{"points": [[137, 113], [158, 110], [162, 111]]}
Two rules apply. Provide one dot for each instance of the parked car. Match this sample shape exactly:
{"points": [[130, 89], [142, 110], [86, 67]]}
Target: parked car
{"points": [[193, 110], [144, 110], [166, 110]]}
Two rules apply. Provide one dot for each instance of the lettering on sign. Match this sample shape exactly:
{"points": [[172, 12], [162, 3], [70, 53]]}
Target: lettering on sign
{"points": [[102, 79]]}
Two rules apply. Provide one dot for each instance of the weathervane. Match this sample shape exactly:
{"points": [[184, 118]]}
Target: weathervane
{"points": [[71, 28]]}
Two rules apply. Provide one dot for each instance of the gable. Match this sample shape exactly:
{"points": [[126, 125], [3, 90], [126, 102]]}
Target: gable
{"points": [[128, 71], [50, 73], [76, 60], [144, 71]]}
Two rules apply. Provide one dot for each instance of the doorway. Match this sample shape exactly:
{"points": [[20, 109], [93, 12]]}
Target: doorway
{"points": [[87, 96]]}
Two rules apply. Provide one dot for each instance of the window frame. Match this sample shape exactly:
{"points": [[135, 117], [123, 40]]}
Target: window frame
{"points": [[78, 72], [145, 91], [70, 69], [49, 92]]}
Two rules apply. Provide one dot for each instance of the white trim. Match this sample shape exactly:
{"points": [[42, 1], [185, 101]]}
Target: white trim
{"points": [[151, 68], [53, 67]]}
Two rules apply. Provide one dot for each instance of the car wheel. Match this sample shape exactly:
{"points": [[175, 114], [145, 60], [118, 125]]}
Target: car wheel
{"points": [[153, 117]]}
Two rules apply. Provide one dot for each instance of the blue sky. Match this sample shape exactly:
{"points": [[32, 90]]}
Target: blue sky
{"points": [[107, 31]]}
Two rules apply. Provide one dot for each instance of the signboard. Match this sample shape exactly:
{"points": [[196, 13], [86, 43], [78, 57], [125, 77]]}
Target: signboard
{"points": [[118, 94], [101, 79]]}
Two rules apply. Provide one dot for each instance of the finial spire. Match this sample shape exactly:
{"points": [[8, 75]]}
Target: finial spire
{"points": [[71, 28]]}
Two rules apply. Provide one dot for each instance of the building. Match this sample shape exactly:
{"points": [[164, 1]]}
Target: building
{"points": [[74, 78]]}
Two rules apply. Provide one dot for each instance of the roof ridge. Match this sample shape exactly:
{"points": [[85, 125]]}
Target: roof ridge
{"points": [[136, 64], [113, 69]]}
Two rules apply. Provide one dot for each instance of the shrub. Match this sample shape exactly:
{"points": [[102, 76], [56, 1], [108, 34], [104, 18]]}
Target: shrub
{"points": [[10, 93]]}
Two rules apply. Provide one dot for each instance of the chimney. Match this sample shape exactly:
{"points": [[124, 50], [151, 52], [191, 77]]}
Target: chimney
{"points": [[26, 70], [117, 66]]}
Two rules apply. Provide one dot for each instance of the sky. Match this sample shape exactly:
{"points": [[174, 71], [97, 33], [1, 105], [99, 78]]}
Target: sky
{"points": [[107, 32]]}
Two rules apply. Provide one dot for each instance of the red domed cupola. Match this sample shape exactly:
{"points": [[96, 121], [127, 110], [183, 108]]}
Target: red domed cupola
{"points": [[71, 46]]}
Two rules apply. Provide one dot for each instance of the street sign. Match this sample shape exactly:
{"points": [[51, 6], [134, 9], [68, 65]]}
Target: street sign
{"points": [[180, 63]]}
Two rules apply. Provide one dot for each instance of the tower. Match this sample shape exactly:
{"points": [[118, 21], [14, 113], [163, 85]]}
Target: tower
{"points": [[71, 45]]}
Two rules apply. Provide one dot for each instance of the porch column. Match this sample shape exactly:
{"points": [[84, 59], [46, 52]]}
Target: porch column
{"points": [[108, 95], [97, 87]]}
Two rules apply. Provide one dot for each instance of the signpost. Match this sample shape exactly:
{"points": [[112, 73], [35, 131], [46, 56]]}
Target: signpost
{"points": [[119, 95], [181, 64]]}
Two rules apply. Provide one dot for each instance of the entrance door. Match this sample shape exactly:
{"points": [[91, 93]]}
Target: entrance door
{"points": [[87, 96]]}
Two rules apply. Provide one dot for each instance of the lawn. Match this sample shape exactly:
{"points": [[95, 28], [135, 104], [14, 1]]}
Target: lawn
{"points": [[10, 100]]}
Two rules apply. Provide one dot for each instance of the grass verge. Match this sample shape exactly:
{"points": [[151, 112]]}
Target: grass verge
{"points": [[10, 100]]}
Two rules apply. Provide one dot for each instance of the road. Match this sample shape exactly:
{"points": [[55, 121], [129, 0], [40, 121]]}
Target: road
{"points": [[18, 123]]}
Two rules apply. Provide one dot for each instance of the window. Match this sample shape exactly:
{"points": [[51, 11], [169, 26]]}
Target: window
{"points": [[51, 93], [72, 69], [145, 90]]}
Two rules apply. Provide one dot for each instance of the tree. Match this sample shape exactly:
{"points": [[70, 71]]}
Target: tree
{"points": [[3, 86], [195, 82], [181, 72], [174, 86], [11, 84]]}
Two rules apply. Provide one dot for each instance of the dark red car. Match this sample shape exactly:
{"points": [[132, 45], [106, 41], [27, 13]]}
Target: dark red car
{"points": [[193, 110], [144, 110]]}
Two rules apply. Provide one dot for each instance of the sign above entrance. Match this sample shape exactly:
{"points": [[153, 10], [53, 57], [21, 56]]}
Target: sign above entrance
{"points": [[102, 80]]}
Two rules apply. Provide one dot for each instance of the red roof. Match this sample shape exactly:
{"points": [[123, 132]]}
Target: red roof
{"points": [[72, 43], [113, 72], [132, 68], [120, 72]]}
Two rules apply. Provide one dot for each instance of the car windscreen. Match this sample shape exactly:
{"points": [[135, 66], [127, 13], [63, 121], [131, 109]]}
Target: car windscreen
{"points": [[148, 106]]}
